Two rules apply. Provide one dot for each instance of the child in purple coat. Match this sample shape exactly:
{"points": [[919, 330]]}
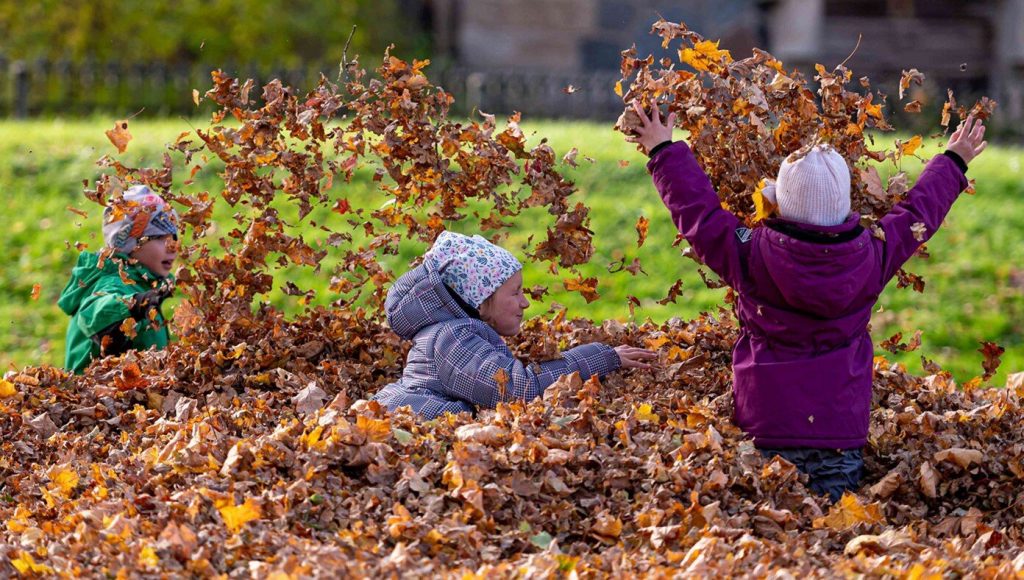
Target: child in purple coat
{"points": [[805, 284]]}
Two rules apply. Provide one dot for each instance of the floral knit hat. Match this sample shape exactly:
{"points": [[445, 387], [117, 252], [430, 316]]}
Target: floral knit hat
{"points": [[471, 266], [141, 214]]}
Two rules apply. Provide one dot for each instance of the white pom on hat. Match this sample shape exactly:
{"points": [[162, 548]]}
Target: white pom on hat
{"points": [[814, 189]]}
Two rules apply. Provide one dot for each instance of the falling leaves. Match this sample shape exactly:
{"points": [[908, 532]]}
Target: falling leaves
{"points": [[912, 76], [991, 351], [910, 146], [119, 136], [642, 223], [36, 291], [587, 287], [745, 116]]}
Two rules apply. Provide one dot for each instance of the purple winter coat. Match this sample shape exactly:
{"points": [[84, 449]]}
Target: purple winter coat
{"points": [[454, 358], [802, 365]]}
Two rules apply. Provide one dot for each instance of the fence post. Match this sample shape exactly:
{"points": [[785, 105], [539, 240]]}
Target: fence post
{"points": [[19, 70]]}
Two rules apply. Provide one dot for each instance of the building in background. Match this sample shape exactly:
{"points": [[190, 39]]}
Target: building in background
{"points": [[974, 47]]}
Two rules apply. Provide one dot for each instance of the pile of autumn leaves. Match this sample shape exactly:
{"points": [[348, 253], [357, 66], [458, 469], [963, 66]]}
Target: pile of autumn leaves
{"points": [[249, 446], [178, 462]]}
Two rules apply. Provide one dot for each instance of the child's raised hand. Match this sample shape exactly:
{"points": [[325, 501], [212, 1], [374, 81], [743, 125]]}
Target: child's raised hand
{"points": [[968, 139], [633, 357], [651, 131]]}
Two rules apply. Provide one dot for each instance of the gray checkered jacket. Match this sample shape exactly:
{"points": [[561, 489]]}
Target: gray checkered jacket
{"points": [[454, 358]]}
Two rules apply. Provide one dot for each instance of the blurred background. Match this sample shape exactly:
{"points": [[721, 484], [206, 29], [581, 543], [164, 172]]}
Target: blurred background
{"points": [[109, 56]]}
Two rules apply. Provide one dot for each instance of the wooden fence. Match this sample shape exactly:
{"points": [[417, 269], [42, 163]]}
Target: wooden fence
{"points": [[51, 88]]}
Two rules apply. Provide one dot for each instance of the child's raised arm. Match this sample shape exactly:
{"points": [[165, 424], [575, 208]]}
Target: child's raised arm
{"points": [[716, 235], [915, 220]]}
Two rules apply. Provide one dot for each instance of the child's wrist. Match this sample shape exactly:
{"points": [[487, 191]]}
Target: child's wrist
{"points": [[654, 150], [958, 159]]}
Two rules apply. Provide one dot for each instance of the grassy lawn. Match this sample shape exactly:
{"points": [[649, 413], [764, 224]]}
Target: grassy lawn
{"points": [[975, 276]]}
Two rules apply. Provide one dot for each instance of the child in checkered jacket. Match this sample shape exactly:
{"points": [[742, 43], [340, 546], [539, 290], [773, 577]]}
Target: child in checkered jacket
{"points": [[456, 307]]}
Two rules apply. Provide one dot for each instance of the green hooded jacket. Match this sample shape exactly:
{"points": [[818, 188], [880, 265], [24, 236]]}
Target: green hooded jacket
{"points": [[95, 298]]}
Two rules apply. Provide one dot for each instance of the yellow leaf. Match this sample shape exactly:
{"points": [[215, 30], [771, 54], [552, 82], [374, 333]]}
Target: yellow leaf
{"points": [[7, 389], [656, 343], [63, 479], [644, 413], [237, 516], [618, 88], [704, 55], [313, 438], [375, 429], [25, 564], [762, 207], [850, 512], [910, 146], [873, 110], [148, 557]]}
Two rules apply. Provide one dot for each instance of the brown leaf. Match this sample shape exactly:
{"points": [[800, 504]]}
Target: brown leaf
{"points": [[119, 136]]}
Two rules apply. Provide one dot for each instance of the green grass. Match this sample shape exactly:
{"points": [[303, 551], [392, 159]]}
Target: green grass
{"points": [[975, 276]]}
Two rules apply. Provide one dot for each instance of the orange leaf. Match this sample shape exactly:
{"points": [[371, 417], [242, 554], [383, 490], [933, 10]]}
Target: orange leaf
{"points": [[119, 135], [641, 229]]}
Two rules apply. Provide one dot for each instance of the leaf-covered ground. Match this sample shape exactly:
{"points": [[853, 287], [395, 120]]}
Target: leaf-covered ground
{"points": [[267, 458]]}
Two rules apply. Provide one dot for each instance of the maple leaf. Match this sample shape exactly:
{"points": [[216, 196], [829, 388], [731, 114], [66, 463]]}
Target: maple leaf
{"points": [[587, 287], [848, 512], [64, 479], [762, 207], [991, 351], [910, 146], [644, 413], [642, 224], [237, 516], [119, 136], [705, 56], [910, 76], [674, 292]]}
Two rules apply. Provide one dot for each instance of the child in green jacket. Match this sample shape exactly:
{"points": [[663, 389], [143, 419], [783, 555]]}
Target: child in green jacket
{"points": [[114, 297]]}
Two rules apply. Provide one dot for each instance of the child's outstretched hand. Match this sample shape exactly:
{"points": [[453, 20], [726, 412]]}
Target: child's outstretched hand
{"points": [[967, 141], [652, 131], [633, 357]]}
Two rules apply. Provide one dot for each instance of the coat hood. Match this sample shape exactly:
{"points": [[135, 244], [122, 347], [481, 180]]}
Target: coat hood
{"points": [[419, 299], [821, 271]]}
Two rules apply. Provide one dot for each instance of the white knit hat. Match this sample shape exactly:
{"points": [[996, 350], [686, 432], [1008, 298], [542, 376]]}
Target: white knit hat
{"points": [[813, 189]]}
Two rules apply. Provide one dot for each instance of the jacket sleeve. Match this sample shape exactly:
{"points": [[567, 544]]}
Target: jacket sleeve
{"points": [[697, 212], [467, 365], [108, 304], [927, 203]]}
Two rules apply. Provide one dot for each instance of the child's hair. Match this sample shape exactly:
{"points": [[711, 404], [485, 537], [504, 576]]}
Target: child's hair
{"points": [[139, 214], [813, 188], [471, 266]]}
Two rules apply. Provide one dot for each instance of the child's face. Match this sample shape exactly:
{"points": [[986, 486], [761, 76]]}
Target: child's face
{"points": [[503, 310], [157, 253]]}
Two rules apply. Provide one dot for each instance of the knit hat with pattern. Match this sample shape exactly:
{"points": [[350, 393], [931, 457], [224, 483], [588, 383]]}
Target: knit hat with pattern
{"points": [[139, 214], [471, 266]]}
